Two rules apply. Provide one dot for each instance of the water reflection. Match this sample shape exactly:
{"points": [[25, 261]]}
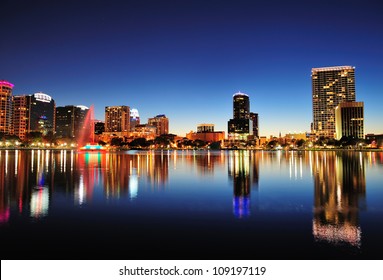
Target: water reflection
{"points": [[243, 171], [339, 195], [33, 182]]}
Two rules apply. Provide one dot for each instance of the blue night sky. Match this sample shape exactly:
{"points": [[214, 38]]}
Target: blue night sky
{"points": [[187, 58]]}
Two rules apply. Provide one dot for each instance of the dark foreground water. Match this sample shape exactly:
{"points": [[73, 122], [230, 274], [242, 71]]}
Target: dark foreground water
{"points": [[191, 205]]}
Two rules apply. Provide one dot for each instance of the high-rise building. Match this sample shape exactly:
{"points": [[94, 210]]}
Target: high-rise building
{"points": [[240, 126], [254, 118], [6, 107], [20, 116], [134, 119], [117, 119], [349, 120], [99, 127], [70, 121], [34, 113], [161, 122], [330, 87]]}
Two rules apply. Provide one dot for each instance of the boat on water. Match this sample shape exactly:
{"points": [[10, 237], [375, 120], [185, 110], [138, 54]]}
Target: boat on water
{"points": [[93, 148]]}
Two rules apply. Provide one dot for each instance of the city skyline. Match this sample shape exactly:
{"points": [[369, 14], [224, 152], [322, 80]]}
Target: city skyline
{"points": [[186, 60]]}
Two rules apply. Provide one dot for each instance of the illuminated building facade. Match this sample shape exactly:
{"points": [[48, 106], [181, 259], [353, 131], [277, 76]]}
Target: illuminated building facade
{"points": [[161, 122], [6, 107], [240, 127], [349, 120], [70, 121], [134, 119], [205, 132], [330, 87], [34, 113], [117, 119], [20, 116]]}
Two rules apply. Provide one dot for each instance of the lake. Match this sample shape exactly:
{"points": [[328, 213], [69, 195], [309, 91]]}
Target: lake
{"points": [[60, 204]]}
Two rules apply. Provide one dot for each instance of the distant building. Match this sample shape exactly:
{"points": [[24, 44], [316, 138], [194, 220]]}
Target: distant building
{"points": [[70, 121], [99, 127], [134, 119], [330, 87], [205, 132], [6, 107], [376, 140], [161, 123], [349, 119], [34, 113], [254, 118], [117, 119], [240, 127], [149, 132]]}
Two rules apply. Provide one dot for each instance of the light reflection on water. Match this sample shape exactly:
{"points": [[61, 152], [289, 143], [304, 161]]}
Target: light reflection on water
{"points": [[248, 186]]}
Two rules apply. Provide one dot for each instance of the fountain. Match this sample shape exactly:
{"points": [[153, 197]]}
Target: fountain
{"points": [[86, 136]]}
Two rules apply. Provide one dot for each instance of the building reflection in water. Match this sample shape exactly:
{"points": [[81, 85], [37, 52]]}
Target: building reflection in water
{"points": [[243, 170], [119, 174], [339, 195]]}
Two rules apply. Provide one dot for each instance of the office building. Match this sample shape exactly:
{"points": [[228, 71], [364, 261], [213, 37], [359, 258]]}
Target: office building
{"points": [[254, 119], [6, 107], [240, 127], [161, 123], [330, 87], [34, 113], [349, 120], [99, 127], [134, 119], [70, 121], [117, 119], [20, 116]]}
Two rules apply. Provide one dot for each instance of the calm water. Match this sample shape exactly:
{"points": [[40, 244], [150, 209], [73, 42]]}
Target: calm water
{"points": [[191, 205]]}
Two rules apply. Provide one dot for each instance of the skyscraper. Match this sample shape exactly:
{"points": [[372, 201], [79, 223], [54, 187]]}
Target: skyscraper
{"points": [[117, 119], [349, 119], [20, 116], [34, 113], [240, 126], [6, 107], [134, 119], [254, 118], [330, 87], [70, 120], [161, 122]]}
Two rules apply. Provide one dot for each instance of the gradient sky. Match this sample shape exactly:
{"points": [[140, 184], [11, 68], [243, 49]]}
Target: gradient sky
{"points": [[187, 58]]}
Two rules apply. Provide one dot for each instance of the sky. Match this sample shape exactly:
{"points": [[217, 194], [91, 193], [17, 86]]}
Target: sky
{"points": [[186, 58]]}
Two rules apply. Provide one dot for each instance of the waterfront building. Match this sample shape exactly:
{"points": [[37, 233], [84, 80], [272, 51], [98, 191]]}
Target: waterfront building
{"points": [[161, 122], [205, 132], [117, 119], [134, 119], [149, 132], [20, 116], [34, 113], [70, 121], [99, 127], [349, 120], [254, 118], [240, 127], [6, 107], [376, 140], [330, 87]]}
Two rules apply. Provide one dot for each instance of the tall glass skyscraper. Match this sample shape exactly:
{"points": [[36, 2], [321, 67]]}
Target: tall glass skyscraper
{"points": [[330, 87], [241, 125]]}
